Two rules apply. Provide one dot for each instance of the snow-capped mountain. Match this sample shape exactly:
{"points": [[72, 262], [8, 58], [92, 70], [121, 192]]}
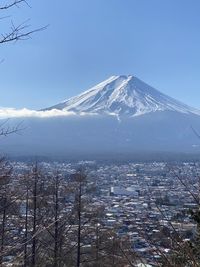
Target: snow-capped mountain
{"points": [[123, 95], [145, 120]]}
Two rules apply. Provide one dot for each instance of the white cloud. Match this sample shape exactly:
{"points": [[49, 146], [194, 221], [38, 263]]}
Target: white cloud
{"points": [[21, 113]]}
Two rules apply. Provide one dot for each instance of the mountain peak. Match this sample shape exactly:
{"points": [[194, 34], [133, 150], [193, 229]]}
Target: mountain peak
{"points": [[122, 95], [125, 76]]}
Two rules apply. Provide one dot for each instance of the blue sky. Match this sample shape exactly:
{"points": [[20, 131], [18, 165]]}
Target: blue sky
{"points": [[89, 40]]}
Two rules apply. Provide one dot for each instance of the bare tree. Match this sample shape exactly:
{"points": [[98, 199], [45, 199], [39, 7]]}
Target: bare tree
{"points": [[13, 33], [26, 226], [4, 203], [9, 211], [16, 32]]}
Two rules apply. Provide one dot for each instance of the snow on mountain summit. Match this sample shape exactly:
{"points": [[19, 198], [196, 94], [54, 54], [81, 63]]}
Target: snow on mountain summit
{"points": [[123, 95]]}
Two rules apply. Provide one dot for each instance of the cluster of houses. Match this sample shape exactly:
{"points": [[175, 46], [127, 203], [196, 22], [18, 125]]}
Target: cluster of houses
{"points": [[144, 202]]}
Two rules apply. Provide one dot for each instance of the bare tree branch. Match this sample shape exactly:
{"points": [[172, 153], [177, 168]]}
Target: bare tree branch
{"points": [[7, 130], [20, 31], [12, 4]]}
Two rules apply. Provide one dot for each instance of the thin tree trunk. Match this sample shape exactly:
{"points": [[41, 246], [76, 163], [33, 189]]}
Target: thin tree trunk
{"points": [[56, 224], [26, 230], [34, 219], [113, 252], [3, 233], [97, 245], [79, 226]]}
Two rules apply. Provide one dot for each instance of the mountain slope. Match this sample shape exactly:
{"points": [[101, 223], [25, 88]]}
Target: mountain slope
{"points": [[123, 95], [105, 135], [165, 125]]}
